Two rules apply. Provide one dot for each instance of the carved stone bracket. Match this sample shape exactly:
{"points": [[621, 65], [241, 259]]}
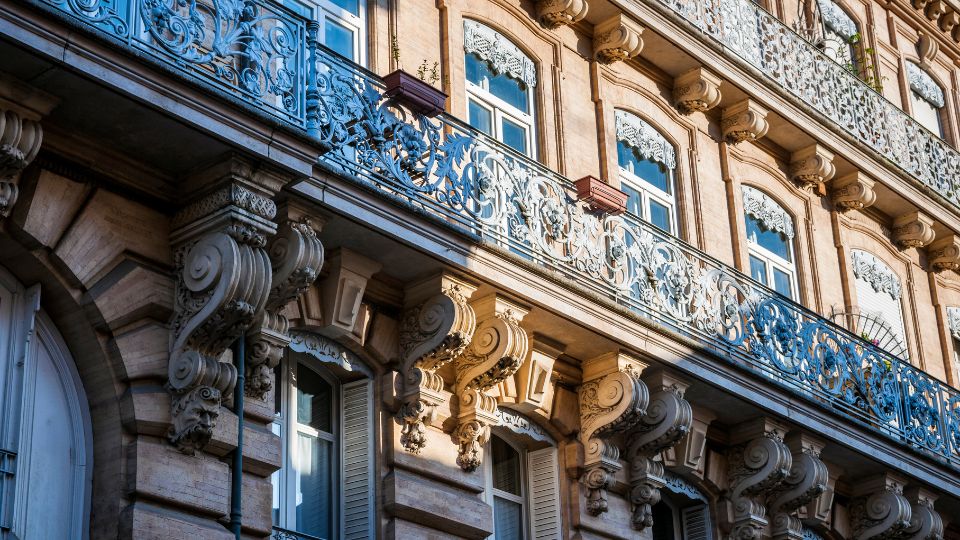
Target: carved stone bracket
{"points": [[617, 38], [913, 230], [296, 257], [437, 327], [744, 121], [944, 254], [696, 90], [756, 465], [688, 457], [223, 280], [852, 192], [21, 108], [613, 400], [557, 13], [807, 480], [925, 522], [811, 166], [530, 390], [667, 420], [496, 352], [879, 509]]}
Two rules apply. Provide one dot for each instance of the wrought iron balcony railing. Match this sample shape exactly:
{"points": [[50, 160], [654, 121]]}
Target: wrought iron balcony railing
{"points": [[286, 534], [449, 171], [755, 36]]}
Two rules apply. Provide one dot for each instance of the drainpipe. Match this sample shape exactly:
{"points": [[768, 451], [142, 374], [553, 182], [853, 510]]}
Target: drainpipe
{"points": [[236, 487]]}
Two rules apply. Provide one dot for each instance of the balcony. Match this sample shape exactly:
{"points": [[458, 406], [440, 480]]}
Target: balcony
{"points": [[265, 58]]}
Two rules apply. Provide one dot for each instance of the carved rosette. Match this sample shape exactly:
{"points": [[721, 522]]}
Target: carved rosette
{"points": [[807, 480], [223, 275], [913, 230], [613, 399], [557, 13], [496, 352], [696, 90], [944, 254], [925, 522], [744, 121], [616, 39], [880, 511], [437, 327], [811, 166], [852, 192]]}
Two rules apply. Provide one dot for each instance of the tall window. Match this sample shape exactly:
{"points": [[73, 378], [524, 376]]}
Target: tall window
{"points": [[770, 235], [880, 316], [840, 34], [341, 27], [953, 323], [926, 99], [647, 162], [507, 490], [500, 82]]}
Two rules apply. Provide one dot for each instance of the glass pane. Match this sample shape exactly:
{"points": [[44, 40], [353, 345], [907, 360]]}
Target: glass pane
{"points": [[275, 483], [839, 48], [773, 242], [515, 136], [353, 6], [663, 526], [634, 201], [480, 117], [506, 467], [508, 519], [314, 486], [314, 400], [477, 69], [339, 38], [650, 171], [758, 269], [781, 283], [660, 215], [510, 90]]}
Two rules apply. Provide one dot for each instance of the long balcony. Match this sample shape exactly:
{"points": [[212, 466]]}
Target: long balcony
{"points": [[265, 58]]}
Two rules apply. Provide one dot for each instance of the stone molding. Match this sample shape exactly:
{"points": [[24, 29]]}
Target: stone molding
{"points": [[853, 191], [744, 121], [837, 19], [342, 290], [21, 108], [944, 254], [616, 39], [807, 480], [697, 90], [499, 52], [913, 230], [879, 510], [497, 351], [613, 399], [437, 326], [811, 166], [557, 13], [925, 522], [767, 211]]}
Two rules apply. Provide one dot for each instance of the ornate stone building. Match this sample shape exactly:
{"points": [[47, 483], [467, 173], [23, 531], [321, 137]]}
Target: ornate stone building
{"points": [[300, 269]]}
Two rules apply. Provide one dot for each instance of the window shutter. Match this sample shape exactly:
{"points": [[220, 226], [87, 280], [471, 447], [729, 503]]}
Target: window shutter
{"points": [[695, 523], [358, 466], [888, 308], [544, 485]]}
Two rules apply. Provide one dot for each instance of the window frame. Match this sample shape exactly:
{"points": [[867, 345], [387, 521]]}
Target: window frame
{"points": [[649, 191], [920, 85], [326, 9], [490, 492], [771, 260], [629, 177], [867, 266], [500, 110]]}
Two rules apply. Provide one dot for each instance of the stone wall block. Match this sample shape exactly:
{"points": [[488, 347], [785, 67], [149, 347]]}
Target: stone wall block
{"points": [[435, 505], [159, 472], [257, 512], [131, 292], [261, 450], [143, 521], [144, 351], [47, 204]]}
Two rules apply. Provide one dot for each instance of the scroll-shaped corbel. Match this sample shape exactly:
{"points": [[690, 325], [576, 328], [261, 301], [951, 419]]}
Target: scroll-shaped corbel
{"points": [[807, 480], [879, 510]]}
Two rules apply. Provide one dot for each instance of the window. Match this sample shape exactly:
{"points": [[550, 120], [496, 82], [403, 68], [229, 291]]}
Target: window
{"points": [[926, 99], [500, 82], [769, 242], [341, 27], [646, 162], [840, 34], [953, 323], [324, 487], [880, 316], [682, 513], [507, 490]]}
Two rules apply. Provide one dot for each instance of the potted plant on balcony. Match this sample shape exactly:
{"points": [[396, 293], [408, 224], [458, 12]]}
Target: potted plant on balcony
{"points": [[416, 92]]}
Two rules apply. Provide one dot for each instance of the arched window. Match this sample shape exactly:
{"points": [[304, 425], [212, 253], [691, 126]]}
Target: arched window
{"points": [[500, 82], [45, 441], [880, 315], [324, 487], [770, 235], [926, 99], [682, 513], [647, 162], [840, 34], [342, 27]]}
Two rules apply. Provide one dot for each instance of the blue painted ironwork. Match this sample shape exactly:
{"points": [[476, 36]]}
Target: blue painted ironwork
{"points": [[286, 534]]}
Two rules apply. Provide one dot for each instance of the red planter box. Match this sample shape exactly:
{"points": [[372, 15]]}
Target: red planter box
{"points": [[601, 196], [418, 96]]}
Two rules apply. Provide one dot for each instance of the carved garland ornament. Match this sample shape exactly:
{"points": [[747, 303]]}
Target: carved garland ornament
{"points": [[499, 52], [647, 141], [923, 84], [771, 215], [868, 268]]}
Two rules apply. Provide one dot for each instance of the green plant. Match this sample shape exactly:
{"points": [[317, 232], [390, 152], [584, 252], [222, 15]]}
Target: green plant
{"points": [[862, 64], [427, 73], [395, 49]]}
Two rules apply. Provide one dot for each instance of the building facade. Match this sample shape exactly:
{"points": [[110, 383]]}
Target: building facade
{"points": [[300, 269]]}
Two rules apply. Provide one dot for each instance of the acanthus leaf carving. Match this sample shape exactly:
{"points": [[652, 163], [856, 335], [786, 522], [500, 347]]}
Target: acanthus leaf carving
{"points": [[557, 13], [944, 254], [879, 511], [744, 121], [913, 230], [852, 192], [811, 166], [696, 90], [616, 39], [807, 480]]}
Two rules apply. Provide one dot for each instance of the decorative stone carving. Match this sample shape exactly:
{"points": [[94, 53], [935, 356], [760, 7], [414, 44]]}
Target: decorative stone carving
{"points": [[296, 257], [617, 38], [944, 254], [437, 326], [913, 230], [925, 522], [948, 21], [767, 211], [744, 121], [837, 19], [612, 401], [923, 84], [21, 108], [696, 90], [667, 420], [934, 9], [953, 321], [811, 166], [557, 13], [807, 480], [223, 279], [688, 457], [852, 192], [498, 52], [644, 139], [879, 509], [756, 465], [868, 268], [341, 292], [496, 352], [531, 387]]}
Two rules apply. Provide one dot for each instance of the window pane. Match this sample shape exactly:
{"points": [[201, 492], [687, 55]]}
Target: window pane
{"points": [[654, 174], [634, 202], [480, 117], [758, 269], [508, 519], [506, 467], [772, 241], [314, 400], [515, 136], [314, 486], [353, 6], [338, 38], [781, 283], [660, 215], [477, 69], [510, 90], [927, 114]]}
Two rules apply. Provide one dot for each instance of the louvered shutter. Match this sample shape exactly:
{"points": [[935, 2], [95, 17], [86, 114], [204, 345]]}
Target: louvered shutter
{"points": [[886, 307], [358, 472], [544, 485], [695, 523]]}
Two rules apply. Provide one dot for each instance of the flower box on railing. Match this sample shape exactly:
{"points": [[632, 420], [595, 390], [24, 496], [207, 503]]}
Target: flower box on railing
{"points": [[417, 95], [601, 196]]}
